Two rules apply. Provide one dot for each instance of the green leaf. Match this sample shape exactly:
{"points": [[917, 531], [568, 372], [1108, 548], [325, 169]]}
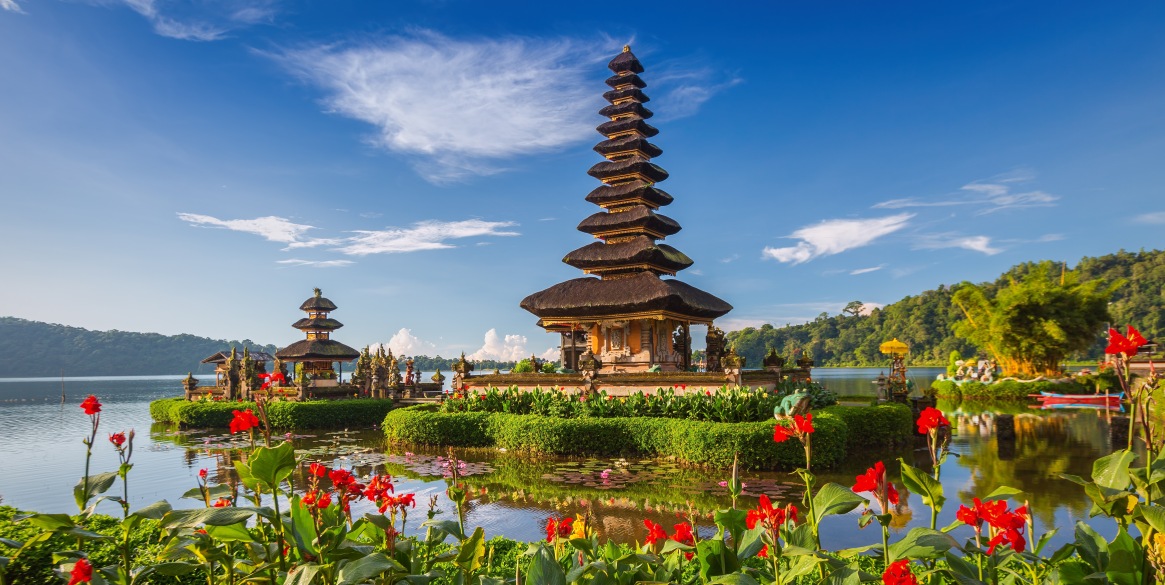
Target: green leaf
{"points": [[1003, 492], [271, 465], [207, 516], [922, 543], [1091, 546], [963, 571], [303, 528], [51, 522], [715, 559], [363, 569], [1154, 515], [1112, 471], [833, 499], [230, 533], [544, 568], [734, 579], [733, 521], [154, 511], [472, 551], [927, 487], [303, 574], [1124, 560], [751, 543], [98, 484], [1044, 541]]}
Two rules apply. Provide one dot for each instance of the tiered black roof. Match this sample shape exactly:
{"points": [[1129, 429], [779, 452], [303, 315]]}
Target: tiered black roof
{"points": [[318, 348], [629, 259]]}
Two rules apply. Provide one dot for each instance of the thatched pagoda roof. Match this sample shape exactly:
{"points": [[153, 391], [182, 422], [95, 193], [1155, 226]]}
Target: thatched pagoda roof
{"points": [[318, 303], [632, 295], [317, 350], [223, 356], [639, 250], [317, 324], [639, 217]]}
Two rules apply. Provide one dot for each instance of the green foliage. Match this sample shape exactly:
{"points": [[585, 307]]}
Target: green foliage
{"points": [[875, 426], [925, 321], [1010, 389], [692, 442], [312, 414], [1036, 319], [720, 405], [523, 367], [31, 348]]}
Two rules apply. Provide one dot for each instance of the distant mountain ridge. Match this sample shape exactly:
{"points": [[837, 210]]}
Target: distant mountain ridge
{"points": [[924, 321], [36, 349]]}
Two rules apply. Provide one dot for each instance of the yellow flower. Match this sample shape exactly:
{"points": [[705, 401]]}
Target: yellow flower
{"points": [[580, 527], [1132, 504]]}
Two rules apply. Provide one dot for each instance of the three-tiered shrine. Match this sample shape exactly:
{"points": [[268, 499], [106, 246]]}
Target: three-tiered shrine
{"points": [[318, 351], [626, 315]]}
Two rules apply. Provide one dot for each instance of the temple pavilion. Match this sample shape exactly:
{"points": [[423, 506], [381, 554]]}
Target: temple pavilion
{"points": [[318, 351], [628, 312]]}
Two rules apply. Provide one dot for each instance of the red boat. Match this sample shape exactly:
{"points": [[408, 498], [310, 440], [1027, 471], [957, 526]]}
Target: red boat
{"points": [[1103, 399]]}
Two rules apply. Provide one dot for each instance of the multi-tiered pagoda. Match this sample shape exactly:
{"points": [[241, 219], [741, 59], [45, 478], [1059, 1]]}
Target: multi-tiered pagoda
{"points": [[630, 318], [318, 351]]}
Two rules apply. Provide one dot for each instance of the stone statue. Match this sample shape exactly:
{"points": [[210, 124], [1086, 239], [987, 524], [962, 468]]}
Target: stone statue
{"points": [[232, 376], [410, 377], [773, 362], [716, 343], [795, 404], [190, 385]]}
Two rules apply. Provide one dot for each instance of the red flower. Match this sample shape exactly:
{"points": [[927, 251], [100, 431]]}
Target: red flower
{"points": [[708, 392], [317, 470], [82, 571], [559, 528], [782, 433], [272, 378], [221, 503], [202, 473], [971, 516], [931, 419], [1126, 344], [244, 421], [655, 532], [341, 478], [683, 534], [481, 396], [118, 439], [91, 407], [764, 552], [898, 573], [324, 500], [803, 425], [874, 481], [1011, 537]]}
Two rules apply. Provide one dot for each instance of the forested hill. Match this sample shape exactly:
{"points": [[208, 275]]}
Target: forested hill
{"points": [[924, 321], [34, 349]]}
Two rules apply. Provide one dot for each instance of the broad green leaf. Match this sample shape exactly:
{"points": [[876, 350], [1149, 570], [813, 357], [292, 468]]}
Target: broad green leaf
{"points": [[734, 579], [927, 487], [207, 516], [832, 499], [98, 484], [672, 546], [303, 574], [1091, 546], [732, 521], [366, 568], [715, 559], [230, 533], [10, 543], [1112, 471], [271, 465], [472, 552], [751, 543], [922, 543], [154, 511], [1154, 515], [1039, 548], [303, 528], [1003, 492], [544, 568], [51, 522], [1124, 560], [963, 571]]}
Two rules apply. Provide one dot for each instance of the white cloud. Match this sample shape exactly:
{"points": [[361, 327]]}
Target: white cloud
{"points": [[867, 270], [941, 241], [553, 354], [11, 6], [509, 348], [985, 196], [684, 88], [272, 228], [731, 258], [403, 342], [202, 21], [868, 308], [315, 263], [1153, 217], [425, 235], [835, 236], [1058, 237]]}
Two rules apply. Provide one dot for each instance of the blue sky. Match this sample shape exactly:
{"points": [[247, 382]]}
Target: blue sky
{"points": [[198, 167]]}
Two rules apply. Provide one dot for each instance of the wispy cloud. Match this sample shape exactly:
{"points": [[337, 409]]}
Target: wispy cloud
{"points": [[209, 20], [316, 263], [941, 241], [271, 228], [424, 235], [731, 258], [985, 196], [867, 270], [835, 236], [1153, 217], [11, 6], [462, 107]]}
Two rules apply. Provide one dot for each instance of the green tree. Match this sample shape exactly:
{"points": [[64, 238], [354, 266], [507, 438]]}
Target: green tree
{"points": [[1034, 320]]}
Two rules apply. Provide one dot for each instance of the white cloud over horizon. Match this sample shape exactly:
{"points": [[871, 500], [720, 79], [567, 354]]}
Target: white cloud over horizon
{"points": [[11, 6], [867, 270], [423, 235], [403, 342], [509, 348], [204, 21], [986, 196], [461, 107], [834, 236], [316, 263], [1152, 218], [941, 241]]}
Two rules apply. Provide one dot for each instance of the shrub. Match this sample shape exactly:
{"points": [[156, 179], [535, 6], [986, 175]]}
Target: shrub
{"points": [[314, 414], [691, 442], [876, 426], [1010, 389]]}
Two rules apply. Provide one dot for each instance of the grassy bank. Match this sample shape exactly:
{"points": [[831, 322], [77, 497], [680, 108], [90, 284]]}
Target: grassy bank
{"points": [[313, 414]]}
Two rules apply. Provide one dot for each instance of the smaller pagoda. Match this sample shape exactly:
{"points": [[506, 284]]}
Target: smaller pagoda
{"points": [[318, 351]]}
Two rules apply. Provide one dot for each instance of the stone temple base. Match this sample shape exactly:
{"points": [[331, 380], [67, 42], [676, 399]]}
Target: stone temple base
{"points": [[622, 384]]}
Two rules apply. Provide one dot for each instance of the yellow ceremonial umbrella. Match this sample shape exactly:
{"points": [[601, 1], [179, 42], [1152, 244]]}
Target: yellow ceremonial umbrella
{"points": [[894, 347]]}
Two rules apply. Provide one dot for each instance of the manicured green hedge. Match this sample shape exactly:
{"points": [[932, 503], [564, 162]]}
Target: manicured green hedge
{"points": [[876, 426], [313, 414], [692, 442], [1007, 389]]}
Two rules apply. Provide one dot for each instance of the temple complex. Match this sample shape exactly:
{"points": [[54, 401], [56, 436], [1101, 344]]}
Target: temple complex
{"points": [[625, 316], [318, 351]]}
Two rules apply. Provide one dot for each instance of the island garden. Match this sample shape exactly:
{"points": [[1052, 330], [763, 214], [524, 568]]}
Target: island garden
{"points": [[625, 389]]}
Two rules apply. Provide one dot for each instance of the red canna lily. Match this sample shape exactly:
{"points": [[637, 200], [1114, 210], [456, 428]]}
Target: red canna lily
{"points": [[560, 528], [655, 532], [118, 439], [931, 419], [202, 473], [768, 515], [803, 425], [91, 407], [782, 433], [683, 535], [270, 379], [898, 573], [221, 503], [244, 421], [82, 572], [764, 552], [971, 516], [874, 481], [317, 470], [1126, 344]]}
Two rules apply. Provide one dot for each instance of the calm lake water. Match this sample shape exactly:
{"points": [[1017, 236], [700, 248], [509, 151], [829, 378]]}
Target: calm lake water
{"points": [[42, 457]]}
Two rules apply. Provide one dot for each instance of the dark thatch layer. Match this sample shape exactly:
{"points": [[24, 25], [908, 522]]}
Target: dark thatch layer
{"points": [[223, 356], [633, 190], [644, 292], [628, 143], [625, 125], [638, 250], [318, 349], [625, 61], [626, 108], [609, 169], [317, 324], [630, 79], [618, 94], [318, 304], [638, 217]]}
